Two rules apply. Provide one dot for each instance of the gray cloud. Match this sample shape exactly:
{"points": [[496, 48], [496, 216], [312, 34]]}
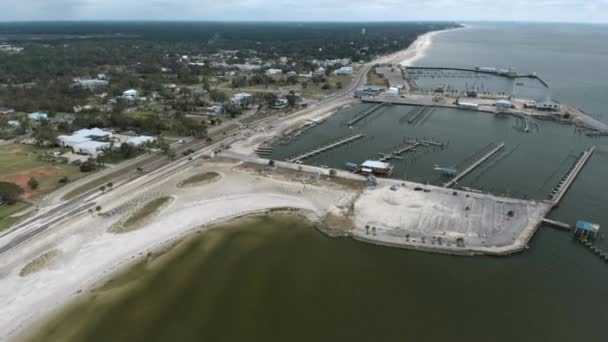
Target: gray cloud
{"points": [[330, 10]]}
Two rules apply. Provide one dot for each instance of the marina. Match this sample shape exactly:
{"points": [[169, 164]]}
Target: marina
{"points": [[478, 162], [324, 148]]}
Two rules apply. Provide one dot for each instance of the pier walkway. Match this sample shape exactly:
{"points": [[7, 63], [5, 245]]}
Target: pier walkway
{"points": [[366, 114], [325, 148], [557, 224], [560, 190], [475, 165]]}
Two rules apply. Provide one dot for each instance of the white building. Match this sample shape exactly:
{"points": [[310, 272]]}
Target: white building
{"points": [[91, 83], [271, 72], [345, 71], [392, 91], [319, 72], [83, 136], [504, 104], [241, 98], [140, 140], [130, 94], [90, 147]]}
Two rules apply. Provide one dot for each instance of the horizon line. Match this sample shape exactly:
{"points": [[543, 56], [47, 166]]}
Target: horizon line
{"points": [[21, 21]]}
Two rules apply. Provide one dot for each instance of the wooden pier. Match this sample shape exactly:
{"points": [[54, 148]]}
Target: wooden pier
{"points": [[560, 190], [325, 148], [365, 114], [475, 165]]}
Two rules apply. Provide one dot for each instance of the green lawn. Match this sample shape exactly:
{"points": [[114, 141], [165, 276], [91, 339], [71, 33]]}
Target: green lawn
{"points": [[7, 210], [20, 163]]}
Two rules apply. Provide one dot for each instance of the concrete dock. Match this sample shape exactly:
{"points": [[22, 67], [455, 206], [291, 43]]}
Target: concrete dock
{"points": [[557, 224], [474, 165], [326, 148], [566, 182], [365, 114]]}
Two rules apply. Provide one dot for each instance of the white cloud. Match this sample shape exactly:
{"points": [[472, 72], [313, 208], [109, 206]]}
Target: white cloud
{"points": [[327, 10]]}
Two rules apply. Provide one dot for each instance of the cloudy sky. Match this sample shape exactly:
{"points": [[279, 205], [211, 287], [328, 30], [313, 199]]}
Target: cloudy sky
{"points": [[330, 10]]}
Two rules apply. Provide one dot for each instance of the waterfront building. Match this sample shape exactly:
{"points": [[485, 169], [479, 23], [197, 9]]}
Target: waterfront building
{"points": [[586, 230], [504, 104], [392, 91], [376, 167]]}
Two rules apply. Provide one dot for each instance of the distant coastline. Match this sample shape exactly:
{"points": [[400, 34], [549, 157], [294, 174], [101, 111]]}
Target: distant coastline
{"points": [[421, 45]]}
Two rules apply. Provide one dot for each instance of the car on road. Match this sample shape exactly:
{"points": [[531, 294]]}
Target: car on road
{"points": [[395, 187]]}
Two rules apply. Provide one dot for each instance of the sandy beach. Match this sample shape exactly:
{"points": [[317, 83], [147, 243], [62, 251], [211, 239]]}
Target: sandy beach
{"points": [[88, 253]]}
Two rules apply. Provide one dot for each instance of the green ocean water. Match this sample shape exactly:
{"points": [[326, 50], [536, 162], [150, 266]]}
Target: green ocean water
{"points": [[279, 279]]}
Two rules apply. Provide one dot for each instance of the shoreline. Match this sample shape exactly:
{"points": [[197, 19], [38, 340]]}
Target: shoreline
{"points": [[60, 292]]}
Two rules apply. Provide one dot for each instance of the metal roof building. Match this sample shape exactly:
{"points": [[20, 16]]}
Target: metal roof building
{"points": [[586, 230]]}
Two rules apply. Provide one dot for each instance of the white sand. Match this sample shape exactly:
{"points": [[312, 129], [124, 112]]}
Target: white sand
{"points": [[89, 253]]}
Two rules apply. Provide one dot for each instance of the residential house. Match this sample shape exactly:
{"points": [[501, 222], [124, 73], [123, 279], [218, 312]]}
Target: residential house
{"points": [[4, 110], [319, 72], [271, 72], [241, 98], [280, 104], [130, 94], [37, 116], [345, 71]]}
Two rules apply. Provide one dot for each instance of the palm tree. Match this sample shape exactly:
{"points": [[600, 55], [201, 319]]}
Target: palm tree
{"points": [[110, 185], [98, 208], [103, 188]]}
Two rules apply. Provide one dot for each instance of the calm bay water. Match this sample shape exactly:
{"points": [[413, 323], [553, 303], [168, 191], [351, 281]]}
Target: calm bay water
{"points": [[570, 57], [278, 279]]}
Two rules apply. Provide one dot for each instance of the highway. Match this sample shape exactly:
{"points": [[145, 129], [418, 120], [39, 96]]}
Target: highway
{"points": [[52, 214]]}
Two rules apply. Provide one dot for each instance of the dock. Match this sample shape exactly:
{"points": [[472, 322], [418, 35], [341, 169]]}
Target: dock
{"points": [[557, 224], [478, 71], [418, 114], [365, 114], [475, 165], [326, 147], [564, 184]]}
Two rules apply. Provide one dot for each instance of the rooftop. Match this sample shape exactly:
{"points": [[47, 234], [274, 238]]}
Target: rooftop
{"points": [[375, 164]]}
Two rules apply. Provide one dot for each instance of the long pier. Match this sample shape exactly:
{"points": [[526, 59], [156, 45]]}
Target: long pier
{"points": [[326, 147], [474, 165], [421, 112], [564, 185], [365, 114], [494, 73]]}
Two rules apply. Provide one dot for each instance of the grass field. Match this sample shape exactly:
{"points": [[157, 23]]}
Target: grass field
{"points": [[134, 221], [7, 210], [199, 179], [20, 163], [376, 80]]}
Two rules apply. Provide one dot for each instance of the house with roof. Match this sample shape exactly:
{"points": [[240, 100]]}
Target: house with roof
{"points": [[241, 98], [130, 94], [37, 116], [4, 110], [141, 140], [344, 71]]}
